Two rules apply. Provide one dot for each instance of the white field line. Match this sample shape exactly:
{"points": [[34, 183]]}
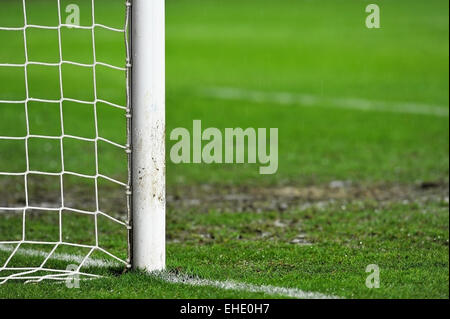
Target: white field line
{"points": [[183, 279], [286, 98], [90, 262], [239, 286]]}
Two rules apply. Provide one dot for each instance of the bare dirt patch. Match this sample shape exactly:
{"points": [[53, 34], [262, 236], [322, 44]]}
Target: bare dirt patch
{"points": [[284, 198], [207, 197], [274, 206]]}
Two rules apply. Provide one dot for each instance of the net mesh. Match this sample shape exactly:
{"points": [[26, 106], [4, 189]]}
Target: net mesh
{"points": [[41, 253]]}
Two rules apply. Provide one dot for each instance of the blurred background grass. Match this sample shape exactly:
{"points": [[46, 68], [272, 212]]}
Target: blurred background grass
{"points": [[318, 48]]}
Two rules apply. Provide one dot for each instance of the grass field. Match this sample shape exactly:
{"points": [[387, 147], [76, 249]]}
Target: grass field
{"points": [[354, 187]]}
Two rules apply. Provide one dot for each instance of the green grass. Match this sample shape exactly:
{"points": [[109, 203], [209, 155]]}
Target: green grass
{"points": [[322, 49], [410, 248]]}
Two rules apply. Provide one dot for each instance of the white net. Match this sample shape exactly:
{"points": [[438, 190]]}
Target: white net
{"points": [[27, 256]]}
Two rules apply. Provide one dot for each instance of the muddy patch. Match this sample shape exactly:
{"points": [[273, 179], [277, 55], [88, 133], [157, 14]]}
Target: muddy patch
{"points": [[287, 198], [273, 208], [208, 197]]}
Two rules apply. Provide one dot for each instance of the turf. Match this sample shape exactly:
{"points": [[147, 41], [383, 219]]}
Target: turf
{"points": [[410, 248], [322, 49]]}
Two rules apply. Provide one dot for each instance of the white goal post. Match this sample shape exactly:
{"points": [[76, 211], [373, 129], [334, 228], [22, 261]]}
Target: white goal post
{"points": [[144, 34], [148, 134]]}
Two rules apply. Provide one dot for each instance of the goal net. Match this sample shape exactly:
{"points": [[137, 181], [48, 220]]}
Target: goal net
{"points": [[66, 136]]}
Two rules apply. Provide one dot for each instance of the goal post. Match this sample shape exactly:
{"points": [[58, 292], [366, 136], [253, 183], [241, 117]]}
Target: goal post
{"points": [[92, 206], [148, 134]]}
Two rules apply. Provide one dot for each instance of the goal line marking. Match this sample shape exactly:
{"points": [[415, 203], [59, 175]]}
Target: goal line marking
{"points": [[183, 279], [239, 286], [309, 100], [90, 262]]}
